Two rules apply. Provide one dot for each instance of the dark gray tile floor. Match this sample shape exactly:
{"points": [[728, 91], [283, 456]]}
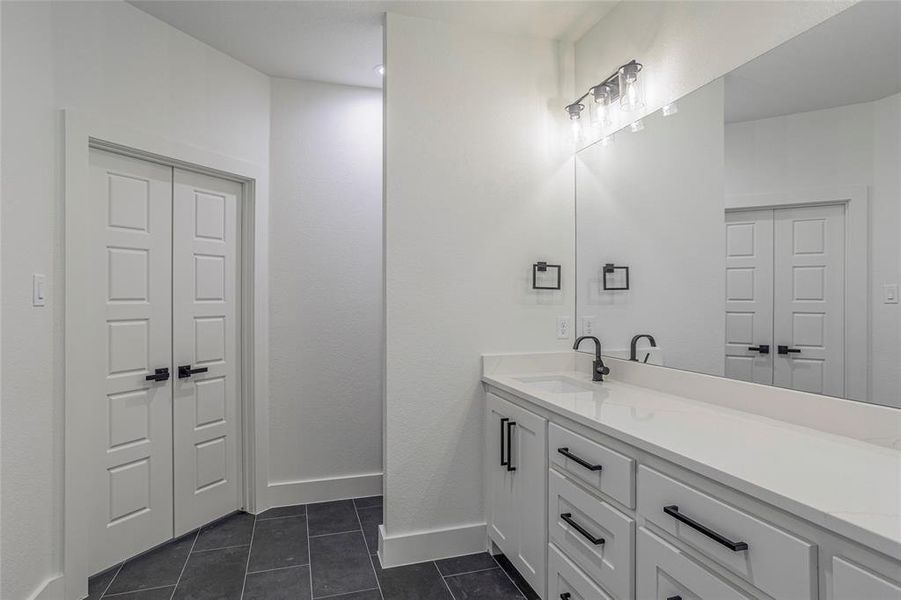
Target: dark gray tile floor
{"points": [[304, 552]]}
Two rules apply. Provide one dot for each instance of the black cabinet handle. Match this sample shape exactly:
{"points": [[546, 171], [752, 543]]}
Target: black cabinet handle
{"points": [[510, 426], [763, 349], [674, 598], [504, 462], [565, 596], [787, 350], [187, 371], [568, 517], [581, 461], [158, 375], [673, 511]]}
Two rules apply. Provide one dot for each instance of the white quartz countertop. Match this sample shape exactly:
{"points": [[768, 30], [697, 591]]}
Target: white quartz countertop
{"points": [[843, 484]]}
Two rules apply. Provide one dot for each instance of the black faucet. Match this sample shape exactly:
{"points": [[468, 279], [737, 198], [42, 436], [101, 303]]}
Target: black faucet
{"points": [[632, 352], [599, 369]]}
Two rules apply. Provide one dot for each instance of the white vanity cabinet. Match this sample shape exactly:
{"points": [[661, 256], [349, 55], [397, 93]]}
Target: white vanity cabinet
{"points": [[586, 515], [516, 486]]}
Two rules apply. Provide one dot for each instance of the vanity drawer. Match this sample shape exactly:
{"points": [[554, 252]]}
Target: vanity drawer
{"points": [[773, 560], [665, 573], [851, 582], [592, 533], [616, 475], [567, 582]]}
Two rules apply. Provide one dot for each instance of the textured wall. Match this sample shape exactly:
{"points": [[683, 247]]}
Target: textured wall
{"points": [[325, 265], [478, 187]]}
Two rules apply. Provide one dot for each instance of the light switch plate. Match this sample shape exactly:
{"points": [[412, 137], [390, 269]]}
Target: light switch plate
{"points": [[562, 328], [890, 293], [38, 290]]}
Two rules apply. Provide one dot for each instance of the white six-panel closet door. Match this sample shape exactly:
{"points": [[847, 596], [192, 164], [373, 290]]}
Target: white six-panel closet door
{"points": [[120, 284], [749, 296], [809, 299], [205, 300]]}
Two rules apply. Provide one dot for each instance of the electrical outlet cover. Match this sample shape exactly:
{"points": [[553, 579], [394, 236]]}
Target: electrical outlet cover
{"points": [[562, 328]]}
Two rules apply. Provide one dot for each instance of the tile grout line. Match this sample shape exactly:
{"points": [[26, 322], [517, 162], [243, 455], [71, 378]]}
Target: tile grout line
{"points": [[306, 512], [344, 594], [185, 566], [319, 535], [368, 551], [110, 584], [202, 550], [518, 589], [249, 550], [277, 569], [140, 591], [281, 517], [471, 572], [444, 581]]}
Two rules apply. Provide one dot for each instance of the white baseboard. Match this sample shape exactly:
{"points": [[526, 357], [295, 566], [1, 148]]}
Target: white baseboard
{"points": [[52, 589], [435, 544], [285, 493]]}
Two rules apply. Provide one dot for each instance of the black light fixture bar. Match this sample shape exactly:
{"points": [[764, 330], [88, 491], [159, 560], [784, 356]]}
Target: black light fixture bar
{"points": [[612, 82]]}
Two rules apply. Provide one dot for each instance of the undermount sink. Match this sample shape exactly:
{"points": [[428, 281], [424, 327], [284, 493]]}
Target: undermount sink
{"points": [[555, 384]]}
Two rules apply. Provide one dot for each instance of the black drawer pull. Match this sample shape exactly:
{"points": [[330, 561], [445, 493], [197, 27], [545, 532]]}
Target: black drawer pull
{"points": [[674, 598], [510, 426], [673, 511], [565, 596], [565, 452], [187, 371], [504, 462], [159, 375], [568, 517]]}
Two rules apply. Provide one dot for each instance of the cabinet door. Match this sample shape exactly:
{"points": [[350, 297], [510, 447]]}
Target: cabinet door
{"points": [[499, 480], [850, 582], [529, 459]]}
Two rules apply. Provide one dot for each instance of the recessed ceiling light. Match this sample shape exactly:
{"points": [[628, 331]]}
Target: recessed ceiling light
{"points": [[380, 69]]}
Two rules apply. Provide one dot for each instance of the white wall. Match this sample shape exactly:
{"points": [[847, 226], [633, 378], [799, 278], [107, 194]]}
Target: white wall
{"points": [[326, 312], [479, 183], [684, 45], [113, 60], [849, 145], [653, 201]]}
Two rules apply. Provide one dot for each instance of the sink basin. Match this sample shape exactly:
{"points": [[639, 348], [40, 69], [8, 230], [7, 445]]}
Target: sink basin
{"points": [[555, 384]]}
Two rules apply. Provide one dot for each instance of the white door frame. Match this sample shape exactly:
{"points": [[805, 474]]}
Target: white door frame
{"points": [[82, 132], [857, 269]]}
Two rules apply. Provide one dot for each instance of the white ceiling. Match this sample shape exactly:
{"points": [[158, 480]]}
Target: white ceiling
{"points": [[340, 41], [852, 57]]}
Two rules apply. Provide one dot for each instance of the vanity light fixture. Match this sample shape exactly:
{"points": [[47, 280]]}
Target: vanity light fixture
{"points": [[575, 117], [623, 85], [380, 69], [636, 126], [670, 109]]}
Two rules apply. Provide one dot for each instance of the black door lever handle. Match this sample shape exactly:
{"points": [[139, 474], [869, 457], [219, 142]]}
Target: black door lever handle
{"points": [[762, 348], [787, 350], [187, 371], [158, 375]]}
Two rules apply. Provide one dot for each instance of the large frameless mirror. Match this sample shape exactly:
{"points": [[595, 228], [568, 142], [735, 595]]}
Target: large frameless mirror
{"points": [[757, 221]]}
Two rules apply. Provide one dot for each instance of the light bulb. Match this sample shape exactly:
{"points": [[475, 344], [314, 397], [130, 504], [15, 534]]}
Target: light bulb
{"points": [[670, 109], [576, 126], [380, 69], [636, 126], [600, 108], [631, 93]]}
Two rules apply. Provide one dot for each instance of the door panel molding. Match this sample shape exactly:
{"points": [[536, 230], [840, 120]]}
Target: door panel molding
{"points": [[81, 132], [855, 198]]}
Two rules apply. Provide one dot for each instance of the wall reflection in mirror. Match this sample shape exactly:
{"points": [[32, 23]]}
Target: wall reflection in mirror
{"points": [[759, 219]]}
